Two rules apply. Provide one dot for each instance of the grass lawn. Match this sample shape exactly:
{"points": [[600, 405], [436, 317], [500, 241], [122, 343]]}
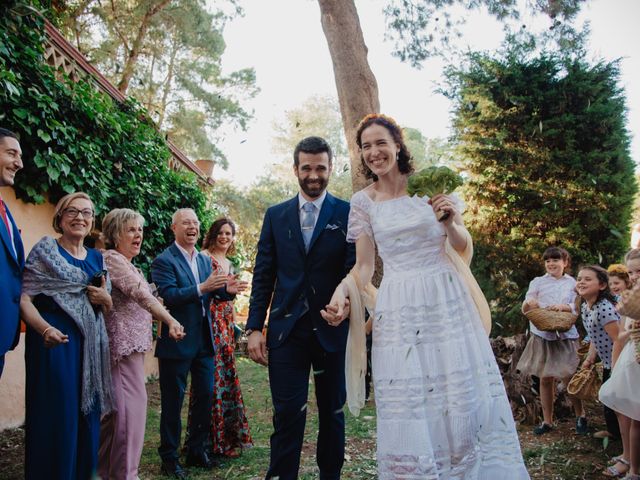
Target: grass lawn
{"points": [[558, 455], [360, 445]]}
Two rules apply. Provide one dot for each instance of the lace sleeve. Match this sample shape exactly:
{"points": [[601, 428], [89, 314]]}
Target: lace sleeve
{"points": [[128, 280], [359, 221]]}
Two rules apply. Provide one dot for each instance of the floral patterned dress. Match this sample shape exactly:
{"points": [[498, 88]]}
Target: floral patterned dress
{"points": [[229, 426]]}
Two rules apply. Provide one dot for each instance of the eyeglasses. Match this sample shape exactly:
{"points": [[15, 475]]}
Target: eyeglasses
{"points": [[74, 212]]}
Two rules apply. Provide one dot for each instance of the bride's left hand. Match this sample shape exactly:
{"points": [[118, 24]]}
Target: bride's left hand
{"points": [[444, 203], [336, 311]]}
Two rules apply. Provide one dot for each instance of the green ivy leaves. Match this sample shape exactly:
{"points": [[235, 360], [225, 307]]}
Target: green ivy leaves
{"points": [[76, 138]]}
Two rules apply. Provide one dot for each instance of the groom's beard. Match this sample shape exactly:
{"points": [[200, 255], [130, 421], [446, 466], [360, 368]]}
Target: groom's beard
{"points": [[313, 188]]}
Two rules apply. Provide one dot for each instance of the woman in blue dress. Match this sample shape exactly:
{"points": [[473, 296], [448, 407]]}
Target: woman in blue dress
{"points": [[67, 354]]}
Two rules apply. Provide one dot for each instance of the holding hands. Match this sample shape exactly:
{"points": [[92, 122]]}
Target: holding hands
{"points": [[337, 309]]}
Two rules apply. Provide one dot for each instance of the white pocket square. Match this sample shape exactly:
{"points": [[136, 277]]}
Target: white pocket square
{"points": [[331, 226]]}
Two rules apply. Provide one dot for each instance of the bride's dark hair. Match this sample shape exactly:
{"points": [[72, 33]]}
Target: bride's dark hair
{"points": [[404, 157]]}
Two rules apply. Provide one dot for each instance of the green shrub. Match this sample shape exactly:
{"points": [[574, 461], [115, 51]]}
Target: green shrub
{"points": [[547, 151]]}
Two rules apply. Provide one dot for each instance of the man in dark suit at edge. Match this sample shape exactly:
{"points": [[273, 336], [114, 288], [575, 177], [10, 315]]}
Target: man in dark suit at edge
{"points": [[302, 256], [11, 249], [186, 284]]}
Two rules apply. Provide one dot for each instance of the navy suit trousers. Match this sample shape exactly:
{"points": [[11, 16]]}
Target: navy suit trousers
{"points": [[173, 384], [289, 368]]}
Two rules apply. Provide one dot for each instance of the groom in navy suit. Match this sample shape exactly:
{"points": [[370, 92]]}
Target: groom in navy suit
{"points": [[302, 256], [11, 250]]}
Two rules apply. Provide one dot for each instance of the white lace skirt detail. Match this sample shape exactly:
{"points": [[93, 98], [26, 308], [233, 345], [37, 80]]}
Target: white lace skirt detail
{"points": [[442, 411]]}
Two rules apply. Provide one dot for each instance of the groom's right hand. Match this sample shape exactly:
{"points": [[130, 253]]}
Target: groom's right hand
{"points": [[257, 347]]}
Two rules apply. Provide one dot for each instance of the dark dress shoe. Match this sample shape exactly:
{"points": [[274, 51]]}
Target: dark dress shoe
{"points": [[200, 460], [172, 468]]}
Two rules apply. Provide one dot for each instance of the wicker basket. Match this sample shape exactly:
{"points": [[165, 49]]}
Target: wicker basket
{"points": [[629, 304], [583, 349], [585, 384], [635, 338], [550, 320]]}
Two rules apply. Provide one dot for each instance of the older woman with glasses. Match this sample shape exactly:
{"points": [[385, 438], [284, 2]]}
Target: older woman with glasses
{"points": [[129, 329], [68, 381]]}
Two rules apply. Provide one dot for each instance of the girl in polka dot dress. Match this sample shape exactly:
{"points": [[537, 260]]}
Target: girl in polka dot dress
{"points": [[601, 320]]}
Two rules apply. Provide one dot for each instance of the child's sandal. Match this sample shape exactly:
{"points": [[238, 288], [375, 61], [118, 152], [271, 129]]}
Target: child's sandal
{"points": [[614, 472]]}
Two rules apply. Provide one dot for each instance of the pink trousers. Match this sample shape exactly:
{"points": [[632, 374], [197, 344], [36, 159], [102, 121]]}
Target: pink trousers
{"points": [[122, 431]]}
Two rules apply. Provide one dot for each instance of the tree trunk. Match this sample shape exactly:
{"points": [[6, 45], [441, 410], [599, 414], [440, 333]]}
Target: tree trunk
{"points": [[355, 82], [134, 53]]}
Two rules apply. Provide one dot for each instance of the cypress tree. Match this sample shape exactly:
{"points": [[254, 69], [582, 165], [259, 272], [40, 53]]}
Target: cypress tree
{"points": [[547, 152]]}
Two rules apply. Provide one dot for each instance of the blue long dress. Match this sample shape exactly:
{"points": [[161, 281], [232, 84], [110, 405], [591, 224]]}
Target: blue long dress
{"points": [[61, 442]]}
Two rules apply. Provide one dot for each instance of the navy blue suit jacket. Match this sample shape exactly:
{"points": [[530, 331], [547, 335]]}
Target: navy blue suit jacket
{"points": [[294, 282], [11, 267], [177, 287]]}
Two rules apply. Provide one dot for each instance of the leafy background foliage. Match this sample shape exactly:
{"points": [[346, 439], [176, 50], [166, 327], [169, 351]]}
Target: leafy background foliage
{"points": [[168, 55], [75, 138], [544, 142]]}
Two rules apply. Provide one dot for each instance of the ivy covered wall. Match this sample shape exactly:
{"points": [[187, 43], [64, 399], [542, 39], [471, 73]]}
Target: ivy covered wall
{"points": [[75, 138]]}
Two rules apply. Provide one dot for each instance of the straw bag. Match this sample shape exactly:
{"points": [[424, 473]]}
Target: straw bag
{"points": [[585, 384], [635, 338], [550, 320], [629, 304], [583, 349]]}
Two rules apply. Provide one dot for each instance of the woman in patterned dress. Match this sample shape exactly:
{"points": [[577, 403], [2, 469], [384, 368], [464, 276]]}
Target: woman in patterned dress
{"points": [[229, 426]]}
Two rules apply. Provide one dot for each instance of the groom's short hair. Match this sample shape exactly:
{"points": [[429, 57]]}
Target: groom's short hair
{"points": [[311, 145]]}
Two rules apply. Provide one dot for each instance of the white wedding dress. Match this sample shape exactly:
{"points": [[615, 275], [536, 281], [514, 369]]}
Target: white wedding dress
{"points": [[622, 392], [442, 411]]}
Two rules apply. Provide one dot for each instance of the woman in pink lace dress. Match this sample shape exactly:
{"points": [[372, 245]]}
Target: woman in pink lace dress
{"points": [[129, 329]]}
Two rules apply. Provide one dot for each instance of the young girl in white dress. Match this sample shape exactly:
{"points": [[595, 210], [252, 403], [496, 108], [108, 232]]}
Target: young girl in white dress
{"points": [[442, 411], [621, 392], [552, 355]]}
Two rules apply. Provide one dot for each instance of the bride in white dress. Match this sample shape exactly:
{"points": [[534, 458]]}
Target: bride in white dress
{"points": [[442, 411]]}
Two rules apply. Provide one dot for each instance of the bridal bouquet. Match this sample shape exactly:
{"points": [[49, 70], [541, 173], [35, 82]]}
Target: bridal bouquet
{"points": [[432, 181]]}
